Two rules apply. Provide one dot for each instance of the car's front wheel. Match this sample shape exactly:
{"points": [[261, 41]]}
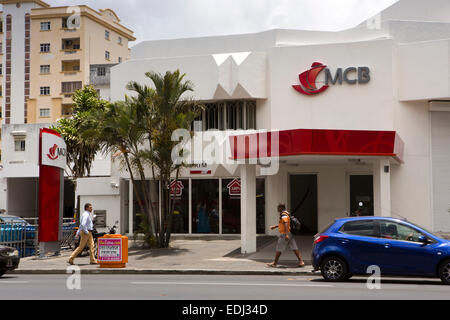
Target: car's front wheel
{"points": [[2, 272], [444, 272], [334, 269]]}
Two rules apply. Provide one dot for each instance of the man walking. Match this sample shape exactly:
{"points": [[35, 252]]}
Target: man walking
{"points": [[285, 239], [85, 232]]}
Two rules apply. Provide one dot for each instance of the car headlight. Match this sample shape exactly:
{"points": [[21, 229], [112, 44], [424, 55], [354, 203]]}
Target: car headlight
{"points": [[15, 253]]}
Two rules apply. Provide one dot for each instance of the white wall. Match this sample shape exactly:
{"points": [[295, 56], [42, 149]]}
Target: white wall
{"points": [[102, 193], [440, 149]]}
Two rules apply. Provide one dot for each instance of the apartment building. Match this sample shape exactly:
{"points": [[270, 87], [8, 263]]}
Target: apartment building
{"points": [[47, 53], [48, 56]]}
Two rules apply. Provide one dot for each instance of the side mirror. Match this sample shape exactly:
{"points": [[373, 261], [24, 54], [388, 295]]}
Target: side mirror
{"points": [[423, 239]]}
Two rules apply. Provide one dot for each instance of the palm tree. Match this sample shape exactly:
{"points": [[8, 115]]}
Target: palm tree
{"points": [[163, 110], [82, 146]]}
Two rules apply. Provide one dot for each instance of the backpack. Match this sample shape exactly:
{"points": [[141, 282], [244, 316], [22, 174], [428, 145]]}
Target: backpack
{"points": [[295, 224]]}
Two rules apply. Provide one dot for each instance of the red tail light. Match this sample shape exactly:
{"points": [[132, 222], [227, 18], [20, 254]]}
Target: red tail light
{"points": [[320, 238]]}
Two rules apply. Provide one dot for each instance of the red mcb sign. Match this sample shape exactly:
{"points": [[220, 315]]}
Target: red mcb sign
{"points": [[351, 75], [52, 162]]}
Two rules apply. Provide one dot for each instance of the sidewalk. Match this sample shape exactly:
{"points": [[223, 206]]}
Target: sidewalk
{"points": [[187, 256]]}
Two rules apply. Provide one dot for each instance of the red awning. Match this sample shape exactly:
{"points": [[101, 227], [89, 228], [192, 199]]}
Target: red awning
{"points": [[317, 142]]}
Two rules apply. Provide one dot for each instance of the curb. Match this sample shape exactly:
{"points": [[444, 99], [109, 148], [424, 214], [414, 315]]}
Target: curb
{"points": [[161, 271]]}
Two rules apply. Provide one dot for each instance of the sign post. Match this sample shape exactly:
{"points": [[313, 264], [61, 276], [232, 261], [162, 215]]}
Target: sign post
{"points": [[52, 162]]}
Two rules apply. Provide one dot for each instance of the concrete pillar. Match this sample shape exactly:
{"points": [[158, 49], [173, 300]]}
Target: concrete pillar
{"points": [[382, 187], [248, 208]]}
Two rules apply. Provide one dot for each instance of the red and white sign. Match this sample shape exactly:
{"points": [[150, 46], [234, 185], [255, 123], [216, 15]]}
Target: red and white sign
{"points": [[176, 188], [53, 151], [234, 188], [110, 250]]}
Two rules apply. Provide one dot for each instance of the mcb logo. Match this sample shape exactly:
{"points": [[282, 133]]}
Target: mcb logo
{"points": [[308, 78], [54, 152]]}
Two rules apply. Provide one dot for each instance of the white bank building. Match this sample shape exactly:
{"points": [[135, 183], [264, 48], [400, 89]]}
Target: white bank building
{"points": [[355, 122]]}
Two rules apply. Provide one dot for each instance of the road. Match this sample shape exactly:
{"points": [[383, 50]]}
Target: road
{"points": [[212, 287]]}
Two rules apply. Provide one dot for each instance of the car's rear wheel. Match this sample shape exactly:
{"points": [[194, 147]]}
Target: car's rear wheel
{"points": [[444, 272], [334, 269], [2, 272]]}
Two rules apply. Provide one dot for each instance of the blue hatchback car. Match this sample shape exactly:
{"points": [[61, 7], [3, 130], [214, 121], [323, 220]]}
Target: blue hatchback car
{"points": [[349, 246]]}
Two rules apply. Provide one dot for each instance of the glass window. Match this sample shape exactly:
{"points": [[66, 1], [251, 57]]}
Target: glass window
{"points": [[106, 35], [230, 114], [101, 71], [179, 191], [120, 40], [205, 206], [45, 91], [45, 26], [141, 188], [398, 231], [231, 206], [44, 112], [107, 55], [364, 228], [45, 47], [19, 145], [45, 68]]}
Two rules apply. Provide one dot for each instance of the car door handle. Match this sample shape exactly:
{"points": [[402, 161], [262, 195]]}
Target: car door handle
{"points": [[387, 245], [344, 241]]}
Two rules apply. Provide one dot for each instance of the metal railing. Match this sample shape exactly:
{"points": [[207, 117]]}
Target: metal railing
{"points": [[23, 235]]}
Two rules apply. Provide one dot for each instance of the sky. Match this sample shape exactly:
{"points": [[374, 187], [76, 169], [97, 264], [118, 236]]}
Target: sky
{"points": [[170, 19]]}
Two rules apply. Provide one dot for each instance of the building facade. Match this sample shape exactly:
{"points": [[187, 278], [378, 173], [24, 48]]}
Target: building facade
{"points": [[361, 117], [332, 124]]}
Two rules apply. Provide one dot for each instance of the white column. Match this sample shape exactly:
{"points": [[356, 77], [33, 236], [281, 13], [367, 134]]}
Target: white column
{"points": [[248, 208], [382, 187]]}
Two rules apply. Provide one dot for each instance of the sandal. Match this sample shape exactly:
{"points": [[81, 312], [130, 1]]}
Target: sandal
{"points": [[301, 265], [272, 265]]}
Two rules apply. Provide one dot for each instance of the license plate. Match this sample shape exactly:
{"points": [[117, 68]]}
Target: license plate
{"points": [[9, 263]]}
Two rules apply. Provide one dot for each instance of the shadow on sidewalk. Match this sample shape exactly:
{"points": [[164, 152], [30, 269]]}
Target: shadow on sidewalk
{"points": [[144, 253]]}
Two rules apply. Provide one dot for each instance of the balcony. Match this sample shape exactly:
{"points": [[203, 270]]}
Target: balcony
{"points": [[70, 67], [70, 46], [66, 110]]}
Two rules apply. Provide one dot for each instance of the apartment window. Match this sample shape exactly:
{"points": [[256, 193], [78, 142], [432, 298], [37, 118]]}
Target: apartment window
{"points": [[45, 26], [107, 55], [45, 69], [120, 59], [45, 91], [44, 113], [106, 34], [70, 87], [19, 145], [45, 47], [101, 71], [1, 69], [120, 40]]}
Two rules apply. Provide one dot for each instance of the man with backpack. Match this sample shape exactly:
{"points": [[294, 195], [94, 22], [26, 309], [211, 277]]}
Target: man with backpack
{"points": [[285, 239]]}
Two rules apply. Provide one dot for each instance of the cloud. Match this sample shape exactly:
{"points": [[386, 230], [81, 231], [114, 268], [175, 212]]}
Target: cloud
{"points": [[156, 19]]}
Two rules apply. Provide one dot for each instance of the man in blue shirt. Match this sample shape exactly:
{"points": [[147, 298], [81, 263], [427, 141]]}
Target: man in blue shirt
{"points": [[85, 232]]}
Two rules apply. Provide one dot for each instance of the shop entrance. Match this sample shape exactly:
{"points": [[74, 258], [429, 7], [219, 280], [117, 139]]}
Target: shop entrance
{"points": [[361, 195], [303, 201]]}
